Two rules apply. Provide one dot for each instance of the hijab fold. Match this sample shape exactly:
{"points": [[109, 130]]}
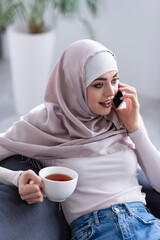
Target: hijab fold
{"points": [[64, 127]]}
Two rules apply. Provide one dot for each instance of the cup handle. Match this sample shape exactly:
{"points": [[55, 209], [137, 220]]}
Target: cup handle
{"points": [[31, 182]]}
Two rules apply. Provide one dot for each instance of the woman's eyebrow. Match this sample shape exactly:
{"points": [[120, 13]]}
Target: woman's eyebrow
{"points": [[105, 79], [116, 74]]}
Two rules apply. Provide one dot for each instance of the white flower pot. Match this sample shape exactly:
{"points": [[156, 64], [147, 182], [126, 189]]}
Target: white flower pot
{"points": [[31, 61]]}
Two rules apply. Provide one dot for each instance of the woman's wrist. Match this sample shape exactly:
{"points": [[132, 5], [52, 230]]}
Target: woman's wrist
{"points": [[19, 178], [135, 125], [133, 129]]}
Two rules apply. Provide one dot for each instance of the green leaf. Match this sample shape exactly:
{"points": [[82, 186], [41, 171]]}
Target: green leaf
{"points": [[9, 10], [93, 6]]}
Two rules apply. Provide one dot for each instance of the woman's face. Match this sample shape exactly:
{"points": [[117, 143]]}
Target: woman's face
{"points": [[101, 91]]}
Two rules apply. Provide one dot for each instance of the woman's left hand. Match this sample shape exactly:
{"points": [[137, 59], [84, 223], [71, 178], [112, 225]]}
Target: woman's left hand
{"points": [[129, 116]]}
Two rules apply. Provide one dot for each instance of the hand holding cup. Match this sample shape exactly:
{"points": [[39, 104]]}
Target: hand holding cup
{"points": [[59, 182]]}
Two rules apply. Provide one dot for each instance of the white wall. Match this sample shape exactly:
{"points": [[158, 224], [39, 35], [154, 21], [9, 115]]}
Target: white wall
{"points": [[131, 29]]}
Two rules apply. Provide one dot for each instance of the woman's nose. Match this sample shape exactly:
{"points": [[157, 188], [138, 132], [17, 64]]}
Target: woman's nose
{"points": [[109, 90]]}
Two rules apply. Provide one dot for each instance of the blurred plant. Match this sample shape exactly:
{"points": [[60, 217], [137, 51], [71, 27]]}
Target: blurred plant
{"points": [[9, 10], [35, 11]]}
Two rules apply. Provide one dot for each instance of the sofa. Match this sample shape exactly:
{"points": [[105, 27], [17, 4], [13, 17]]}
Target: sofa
{"points": [[44, 221]]}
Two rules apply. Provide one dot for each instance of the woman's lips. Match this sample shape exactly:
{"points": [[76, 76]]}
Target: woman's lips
{"points": [[106, 104]]}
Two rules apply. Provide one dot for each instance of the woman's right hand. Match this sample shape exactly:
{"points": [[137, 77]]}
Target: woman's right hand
{"points": [[130, 115], [31, 193]]}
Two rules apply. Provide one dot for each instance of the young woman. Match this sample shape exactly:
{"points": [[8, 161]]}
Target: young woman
{"points": [[79, 127]]}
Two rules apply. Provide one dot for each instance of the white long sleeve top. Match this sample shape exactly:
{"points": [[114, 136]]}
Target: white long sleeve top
{"points": [[105, 180], [7, 176]]}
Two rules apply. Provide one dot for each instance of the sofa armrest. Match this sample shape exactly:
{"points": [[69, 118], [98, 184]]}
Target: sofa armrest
{"points": [[152, 196]]}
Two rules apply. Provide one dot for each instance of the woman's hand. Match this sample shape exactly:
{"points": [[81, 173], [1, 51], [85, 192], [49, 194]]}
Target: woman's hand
{"points": [[31, 193], [129, 116]]}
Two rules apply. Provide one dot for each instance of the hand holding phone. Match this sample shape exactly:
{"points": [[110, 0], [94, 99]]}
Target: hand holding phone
{"points": [[128, 113], [117, 101]]}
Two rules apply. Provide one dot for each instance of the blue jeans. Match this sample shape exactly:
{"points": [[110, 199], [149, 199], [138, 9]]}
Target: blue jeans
{"points": [[128, 221]]}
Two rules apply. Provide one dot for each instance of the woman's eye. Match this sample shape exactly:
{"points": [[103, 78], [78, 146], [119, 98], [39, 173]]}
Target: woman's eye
{"points": [[98, 85], [115, 80]]}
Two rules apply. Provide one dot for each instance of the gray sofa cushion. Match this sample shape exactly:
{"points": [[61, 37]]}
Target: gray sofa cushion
{"points": [[152, 197], [18, 220]]}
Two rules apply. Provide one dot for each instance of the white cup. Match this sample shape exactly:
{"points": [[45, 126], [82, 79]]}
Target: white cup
{"points": [[58, 191]]}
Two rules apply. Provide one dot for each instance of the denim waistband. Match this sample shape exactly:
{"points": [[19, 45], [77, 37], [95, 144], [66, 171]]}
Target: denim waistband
{"points": [[95, 216]]}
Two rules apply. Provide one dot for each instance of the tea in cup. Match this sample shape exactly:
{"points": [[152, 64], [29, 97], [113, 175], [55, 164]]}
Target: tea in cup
{"points": [[59, 182]]}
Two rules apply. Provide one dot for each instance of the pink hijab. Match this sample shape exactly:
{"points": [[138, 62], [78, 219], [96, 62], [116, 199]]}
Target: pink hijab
{"points": [[64, 127]]}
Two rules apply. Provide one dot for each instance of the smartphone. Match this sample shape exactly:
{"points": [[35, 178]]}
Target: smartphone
{"points": [[117, 101]]}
